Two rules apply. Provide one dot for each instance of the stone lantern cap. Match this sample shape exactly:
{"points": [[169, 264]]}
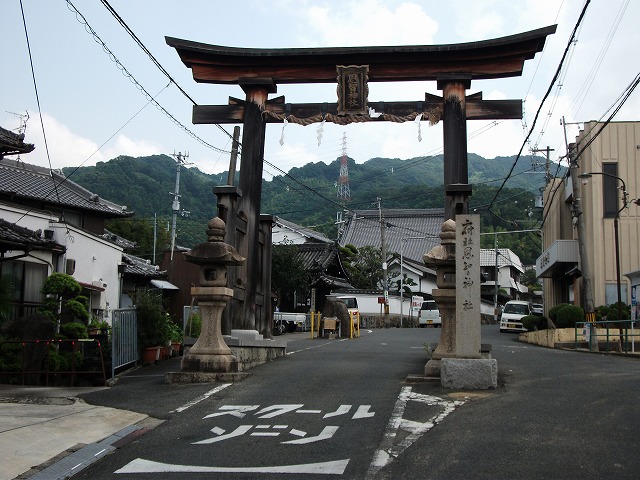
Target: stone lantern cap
{"points": [[214, 250], [444, 253]]}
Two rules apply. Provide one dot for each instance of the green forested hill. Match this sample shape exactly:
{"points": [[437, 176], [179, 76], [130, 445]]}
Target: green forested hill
{"points": [[307, 195]]}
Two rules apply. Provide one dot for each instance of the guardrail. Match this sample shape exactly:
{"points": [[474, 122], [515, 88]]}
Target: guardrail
{"points": [[44, 365], [619, 334]]}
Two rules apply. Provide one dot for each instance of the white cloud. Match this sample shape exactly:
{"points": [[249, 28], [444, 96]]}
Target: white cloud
{"points": [[367, 22], [67, 148], [134, 148]]}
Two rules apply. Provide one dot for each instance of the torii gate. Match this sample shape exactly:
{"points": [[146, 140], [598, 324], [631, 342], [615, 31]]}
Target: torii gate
{"points": [[259, 71]]}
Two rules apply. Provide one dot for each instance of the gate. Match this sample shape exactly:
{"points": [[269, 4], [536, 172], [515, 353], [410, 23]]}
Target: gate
{"points": [[124, 338]]}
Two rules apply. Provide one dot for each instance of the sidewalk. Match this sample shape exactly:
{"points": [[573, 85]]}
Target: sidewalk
{"points": [[38, 424], [49, 432]]}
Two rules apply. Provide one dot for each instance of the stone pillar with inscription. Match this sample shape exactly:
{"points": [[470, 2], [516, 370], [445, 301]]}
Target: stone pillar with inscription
{"points": [[468, 286], [457, 359]]}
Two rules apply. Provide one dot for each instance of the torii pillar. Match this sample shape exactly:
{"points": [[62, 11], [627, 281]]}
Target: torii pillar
{"points": [[454, 130], [250, 184]]}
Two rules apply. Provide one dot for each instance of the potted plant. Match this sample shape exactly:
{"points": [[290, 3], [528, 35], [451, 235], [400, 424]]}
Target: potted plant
{"points": [[94, 327], [153, 328], [176, 338]]}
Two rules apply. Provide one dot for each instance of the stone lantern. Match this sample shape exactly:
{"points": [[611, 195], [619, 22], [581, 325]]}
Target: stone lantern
{"points": [[443, 259], [210, 353]]}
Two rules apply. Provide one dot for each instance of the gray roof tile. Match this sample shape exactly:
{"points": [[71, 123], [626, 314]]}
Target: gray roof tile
{"points": [[19, 238], [22, 180], [363, 229]]}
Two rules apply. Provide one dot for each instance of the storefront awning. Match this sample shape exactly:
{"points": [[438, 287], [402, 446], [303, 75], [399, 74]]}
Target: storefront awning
{"points": [[562, 255], [91, 287], [164, 285]]}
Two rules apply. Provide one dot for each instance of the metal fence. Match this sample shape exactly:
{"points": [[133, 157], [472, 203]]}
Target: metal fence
{"points": [[52, 362], [617, 335], [124, 338], [23, 309]]}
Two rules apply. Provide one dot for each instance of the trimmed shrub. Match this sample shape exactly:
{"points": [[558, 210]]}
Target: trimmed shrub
{"points": [[534, 322], [72, 330], [553, 311], [567, 315], [611, 312]]}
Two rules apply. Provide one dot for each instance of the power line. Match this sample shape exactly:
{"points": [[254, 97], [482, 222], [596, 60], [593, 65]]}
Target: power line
{"points": [[123, 69], [546, 95], [144, 48]]}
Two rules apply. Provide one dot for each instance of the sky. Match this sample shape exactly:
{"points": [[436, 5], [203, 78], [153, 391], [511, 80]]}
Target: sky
{"points": [[92, 112]]}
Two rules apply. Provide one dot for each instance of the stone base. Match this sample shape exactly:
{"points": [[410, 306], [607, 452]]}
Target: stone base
{"points": [[432, 368], [469, 374], [203, 377], [413, 378], [209, 363], [250, 349]]}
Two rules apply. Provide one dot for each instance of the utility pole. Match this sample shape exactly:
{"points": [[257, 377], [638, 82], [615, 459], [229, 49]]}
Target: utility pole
{"points": [[175, 207], [584, 258], [385, 286], [155, 235], [547, 168], [495, 285], [231, 177]]}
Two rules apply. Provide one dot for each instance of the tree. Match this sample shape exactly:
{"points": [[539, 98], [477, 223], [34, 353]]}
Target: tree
{"points": [[140, 230], [65, 306], [288, 274], [363, 265], [529, 279], [406, 284]]}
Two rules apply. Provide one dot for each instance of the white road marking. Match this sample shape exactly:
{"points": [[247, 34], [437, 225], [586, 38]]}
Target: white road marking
{"points": [[233, 410], [275, 410], [388, 450], [309, 411], [140, 465], [363, 412], [199, 399], [308, 348], [342, 409], [327, 432]]}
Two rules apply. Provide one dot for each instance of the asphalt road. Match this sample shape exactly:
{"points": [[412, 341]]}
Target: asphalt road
{"points": [[342, 409]]}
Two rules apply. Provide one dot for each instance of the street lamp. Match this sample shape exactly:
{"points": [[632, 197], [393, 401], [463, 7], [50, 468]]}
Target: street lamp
{"points": [[615, 230]]}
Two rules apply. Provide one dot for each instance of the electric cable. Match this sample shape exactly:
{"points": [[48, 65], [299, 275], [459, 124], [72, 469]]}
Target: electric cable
{"points": [[546, 95]]}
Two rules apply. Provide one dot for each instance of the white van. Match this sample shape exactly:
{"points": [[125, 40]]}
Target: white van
{"points": [[429, 315], [352, 306], [512, 313]]}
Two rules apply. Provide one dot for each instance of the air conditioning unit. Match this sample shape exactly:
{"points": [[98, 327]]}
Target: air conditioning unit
{"points": [[70, 267]]}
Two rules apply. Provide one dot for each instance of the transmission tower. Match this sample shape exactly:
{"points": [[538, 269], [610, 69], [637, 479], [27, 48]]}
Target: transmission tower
{"points": [[343, 180]]}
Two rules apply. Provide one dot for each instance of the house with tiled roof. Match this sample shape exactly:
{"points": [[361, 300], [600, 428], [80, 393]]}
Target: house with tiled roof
{"points": [[320, 258], [508, 267], [13, 143], [67, 220], [137, 273], [409, 234], [285, 231]]}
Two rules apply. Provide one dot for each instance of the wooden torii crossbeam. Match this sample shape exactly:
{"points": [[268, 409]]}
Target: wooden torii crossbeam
{"points": [[259, 71]]}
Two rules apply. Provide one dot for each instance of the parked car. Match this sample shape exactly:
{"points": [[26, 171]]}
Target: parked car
{"points": [[352, 306], [429, 315], [512, 313], [537, 309]]}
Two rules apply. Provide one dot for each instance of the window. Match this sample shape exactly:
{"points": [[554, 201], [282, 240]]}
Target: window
{"points": [[26, 279], [610, 189]]}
